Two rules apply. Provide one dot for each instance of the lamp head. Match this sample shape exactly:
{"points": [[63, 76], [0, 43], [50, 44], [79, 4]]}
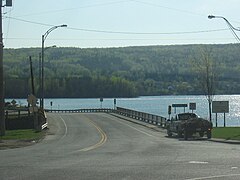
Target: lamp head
{"points": [[64, 25], [211, 17]]}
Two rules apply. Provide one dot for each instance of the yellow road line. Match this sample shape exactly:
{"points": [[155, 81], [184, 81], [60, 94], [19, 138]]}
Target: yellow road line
{"points": [[100, 143]]}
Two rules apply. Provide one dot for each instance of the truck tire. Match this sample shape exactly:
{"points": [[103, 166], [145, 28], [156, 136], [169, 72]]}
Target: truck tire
{"points": [[209, 134], [201, 134], [180, 134], [169, 133]]}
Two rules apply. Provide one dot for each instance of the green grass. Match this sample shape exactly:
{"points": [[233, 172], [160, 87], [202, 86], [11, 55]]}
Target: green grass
{"points": [[26, 134], [228, 133]]}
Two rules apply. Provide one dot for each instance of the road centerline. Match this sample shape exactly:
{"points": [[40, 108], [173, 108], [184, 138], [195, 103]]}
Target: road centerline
{"points": [[98, 144]]}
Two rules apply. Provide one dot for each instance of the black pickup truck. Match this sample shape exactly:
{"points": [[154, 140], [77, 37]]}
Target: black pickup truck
{"points": [[187, 124]]}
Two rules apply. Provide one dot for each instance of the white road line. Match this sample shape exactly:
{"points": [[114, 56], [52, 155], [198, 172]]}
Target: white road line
{"points": [[136, 129], [65, 125], [214, 177], [198, 162]]}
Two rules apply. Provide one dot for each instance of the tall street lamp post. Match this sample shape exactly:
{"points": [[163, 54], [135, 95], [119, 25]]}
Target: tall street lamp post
{"points": [[40, 71], [231, 27], [44, 36]]}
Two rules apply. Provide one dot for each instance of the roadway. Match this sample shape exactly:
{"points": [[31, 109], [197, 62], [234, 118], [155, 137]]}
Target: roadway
{"points": [[101, 146]]}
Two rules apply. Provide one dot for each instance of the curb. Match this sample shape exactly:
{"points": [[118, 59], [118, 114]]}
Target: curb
{"points": [[224, 141]]}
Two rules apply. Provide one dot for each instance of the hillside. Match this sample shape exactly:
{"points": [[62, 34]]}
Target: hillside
{"points": [[120, 72]]}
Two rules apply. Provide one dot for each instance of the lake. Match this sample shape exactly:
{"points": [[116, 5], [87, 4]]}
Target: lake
{"points": [[153, 104]]}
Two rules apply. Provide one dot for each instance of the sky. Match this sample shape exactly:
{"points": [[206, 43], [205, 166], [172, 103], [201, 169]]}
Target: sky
{"points": [[119, 23]]}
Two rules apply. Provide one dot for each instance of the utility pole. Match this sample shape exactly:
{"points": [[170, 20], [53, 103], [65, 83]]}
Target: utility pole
{"points": [[39, 77], [31, 74], [2, 103]]}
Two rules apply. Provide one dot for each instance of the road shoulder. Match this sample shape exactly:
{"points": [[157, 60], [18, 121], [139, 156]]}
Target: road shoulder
{"points": [[159, 129]]}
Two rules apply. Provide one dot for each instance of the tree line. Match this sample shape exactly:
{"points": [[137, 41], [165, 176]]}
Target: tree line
{"points": [[119, 72]]}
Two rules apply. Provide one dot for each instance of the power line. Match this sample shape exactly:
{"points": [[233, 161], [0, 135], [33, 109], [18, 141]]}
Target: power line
{"points": [[117, 39], [169, 8], [233, 32], [122, 32], [173, 9], [75, 8], [146, 33], [31, 22]]}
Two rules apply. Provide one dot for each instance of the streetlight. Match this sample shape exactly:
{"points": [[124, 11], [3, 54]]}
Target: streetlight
{"points": [[231, 27], [44, 36], [40, 72]]}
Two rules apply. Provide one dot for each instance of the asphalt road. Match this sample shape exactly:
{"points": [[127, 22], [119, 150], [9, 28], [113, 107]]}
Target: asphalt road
{"points": [[101, 146]]}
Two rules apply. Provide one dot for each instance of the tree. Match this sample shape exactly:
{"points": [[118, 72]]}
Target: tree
{"points": [[206, 71]]}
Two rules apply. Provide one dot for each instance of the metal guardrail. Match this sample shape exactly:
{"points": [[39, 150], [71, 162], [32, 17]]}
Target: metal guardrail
{"points": [[141, 116], [97, 110], [42, 122]]}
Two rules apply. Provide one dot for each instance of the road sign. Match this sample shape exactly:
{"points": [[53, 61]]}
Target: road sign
{"points": [[220, 107], [175, 106], [192, 106], [8, 3], [179, 105], [32, 100]]}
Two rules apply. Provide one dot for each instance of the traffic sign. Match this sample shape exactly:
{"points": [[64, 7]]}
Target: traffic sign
{"points": [[192, 106], [220, 107], [32, 100], [179, 105]]}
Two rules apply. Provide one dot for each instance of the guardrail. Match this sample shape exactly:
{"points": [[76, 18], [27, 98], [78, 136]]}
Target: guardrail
{"points": [[41, 119], [22, 118], [97, 110], [141, 116]]}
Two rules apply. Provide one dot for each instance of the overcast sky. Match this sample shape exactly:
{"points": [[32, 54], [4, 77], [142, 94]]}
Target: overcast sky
{"points": [[118, 23]]}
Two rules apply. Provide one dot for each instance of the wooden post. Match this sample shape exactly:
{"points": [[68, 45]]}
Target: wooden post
{"points": [[6, 116], [216, 120], [19, 114], [224, 120]]}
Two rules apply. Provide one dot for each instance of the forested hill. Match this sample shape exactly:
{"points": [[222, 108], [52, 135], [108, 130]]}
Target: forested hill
{"points": [[120, 72]]}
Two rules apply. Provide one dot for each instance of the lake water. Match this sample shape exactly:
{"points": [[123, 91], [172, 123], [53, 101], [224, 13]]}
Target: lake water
{"points": [[153, 104]]}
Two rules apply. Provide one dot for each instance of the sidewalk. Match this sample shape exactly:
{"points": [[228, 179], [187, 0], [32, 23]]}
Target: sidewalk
{"points": [[160, 129]]}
